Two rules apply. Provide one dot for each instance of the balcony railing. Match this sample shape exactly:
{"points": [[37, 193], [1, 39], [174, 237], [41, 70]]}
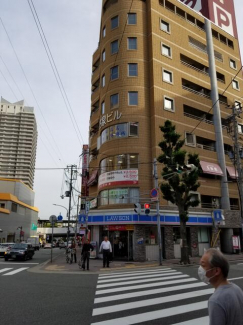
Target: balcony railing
{"points": [[194, 68], [196, 92], [205, 147], [198, 118]]}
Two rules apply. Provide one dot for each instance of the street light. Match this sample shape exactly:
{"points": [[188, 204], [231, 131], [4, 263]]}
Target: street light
{"points": [[58, 205]]}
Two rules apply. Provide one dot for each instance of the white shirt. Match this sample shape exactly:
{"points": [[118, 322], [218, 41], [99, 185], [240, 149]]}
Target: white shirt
{"points": [[105, 245]]}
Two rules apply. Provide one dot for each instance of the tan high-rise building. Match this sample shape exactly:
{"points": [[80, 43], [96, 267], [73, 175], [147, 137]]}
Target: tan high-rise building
{"points": [[152, 65], [18, 141]]}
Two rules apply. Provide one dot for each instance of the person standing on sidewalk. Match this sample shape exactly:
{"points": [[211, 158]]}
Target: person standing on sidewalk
{"points": [[225, 306], [106, 249], [73, 252], [87, 247]]}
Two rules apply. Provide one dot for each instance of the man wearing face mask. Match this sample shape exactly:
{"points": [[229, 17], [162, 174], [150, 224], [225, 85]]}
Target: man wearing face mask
{"points": [[225, 306]]}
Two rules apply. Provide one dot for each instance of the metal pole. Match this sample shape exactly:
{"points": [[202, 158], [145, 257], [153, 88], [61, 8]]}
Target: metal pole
{"points": [[225, 202], [156, 185], [51, 239], [70, 202], [237, 159]]}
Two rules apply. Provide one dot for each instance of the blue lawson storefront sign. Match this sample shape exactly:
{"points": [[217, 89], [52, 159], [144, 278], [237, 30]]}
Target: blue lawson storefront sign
{"points": [[146, 219]]}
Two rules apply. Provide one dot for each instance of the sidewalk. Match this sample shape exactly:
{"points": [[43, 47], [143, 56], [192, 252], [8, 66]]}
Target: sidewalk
{"points": [[59, 264]]}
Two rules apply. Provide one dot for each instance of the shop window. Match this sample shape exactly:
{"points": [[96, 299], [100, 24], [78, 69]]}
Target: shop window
{"points": [[119, 196], [176, 235], [124, 161], [203, 235], [119, 131], [133, 161]]}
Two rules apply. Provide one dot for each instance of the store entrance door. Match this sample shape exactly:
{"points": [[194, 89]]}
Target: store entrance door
{"points": [[122, 244]]}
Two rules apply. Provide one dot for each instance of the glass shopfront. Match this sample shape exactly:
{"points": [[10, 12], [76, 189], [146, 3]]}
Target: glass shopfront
{"points": [[121, 238]]}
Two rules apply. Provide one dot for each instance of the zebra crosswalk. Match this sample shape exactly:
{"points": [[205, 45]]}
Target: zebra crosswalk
{"points": [[7, 271], [151, 296]]}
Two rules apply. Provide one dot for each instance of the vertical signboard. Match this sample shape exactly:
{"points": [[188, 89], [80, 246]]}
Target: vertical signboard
{"points": [[85, 166], [220, 12]]}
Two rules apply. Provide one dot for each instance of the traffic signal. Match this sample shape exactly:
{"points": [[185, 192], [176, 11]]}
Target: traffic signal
{"points": [[137, 208], [147, 208]]}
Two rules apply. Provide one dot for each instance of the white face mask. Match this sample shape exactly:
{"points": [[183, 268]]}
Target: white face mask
{"points": [[202, 275]]}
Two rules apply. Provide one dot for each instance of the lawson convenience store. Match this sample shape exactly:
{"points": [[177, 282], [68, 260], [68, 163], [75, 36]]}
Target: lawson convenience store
{"points": [[134, 237]]}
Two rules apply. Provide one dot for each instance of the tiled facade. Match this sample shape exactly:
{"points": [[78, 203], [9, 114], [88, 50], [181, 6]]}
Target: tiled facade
{"points": [[171, 81]]}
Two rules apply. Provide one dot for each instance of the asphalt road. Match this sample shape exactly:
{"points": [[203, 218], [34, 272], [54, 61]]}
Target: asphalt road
{"points": [[137, 296]]}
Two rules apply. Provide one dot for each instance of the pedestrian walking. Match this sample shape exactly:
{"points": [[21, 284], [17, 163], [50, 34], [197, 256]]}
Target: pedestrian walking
{"points": [[106, 249], [87, 247], [225, 306], [73, 252]]}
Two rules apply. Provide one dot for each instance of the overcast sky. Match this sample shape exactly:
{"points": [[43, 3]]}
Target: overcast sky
{"points": [[72, 30]]}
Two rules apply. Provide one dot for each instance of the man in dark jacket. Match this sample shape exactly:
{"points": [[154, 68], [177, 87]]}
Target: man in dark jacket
{"points": [[87, 247]]}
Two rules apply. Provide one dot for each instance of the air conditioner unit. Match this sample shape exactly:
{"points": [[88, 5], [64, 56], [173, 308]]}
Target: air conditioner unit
{"points": [[200, 146]]}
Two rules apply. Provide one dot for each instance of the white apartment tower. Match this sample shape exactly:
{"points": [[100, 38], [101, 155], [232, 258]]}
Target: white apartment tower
{"points": [[18, 141]]}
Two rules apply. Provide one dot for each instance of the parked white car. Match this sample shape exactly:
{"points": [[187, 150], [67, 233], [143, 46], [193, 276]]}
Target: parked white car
{"points": [[4, 247]]}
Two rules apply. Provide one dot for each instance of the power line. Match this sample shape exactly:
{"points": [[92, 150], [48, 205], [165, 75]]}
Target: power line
{"points": [[218, 98], [8, 84], [55, 70], [16, 55]]}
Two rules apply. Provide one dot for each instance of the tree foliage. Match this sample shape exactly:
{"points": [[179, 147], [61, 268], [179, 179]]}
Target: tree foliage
{"points": [[178, 185]]}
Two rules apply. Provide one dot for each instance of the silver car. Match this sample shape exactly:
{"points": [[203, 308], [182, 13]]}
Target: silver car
{"points": [[4, 247]]}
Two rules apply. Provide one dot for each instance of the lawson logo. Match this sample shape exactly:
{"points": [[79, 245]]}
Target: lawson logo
{"points": [[118, 218]]}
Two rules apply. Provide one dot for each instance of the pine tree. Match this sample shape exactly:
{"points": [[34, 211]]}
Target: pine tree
{"points": [[180, 174]]}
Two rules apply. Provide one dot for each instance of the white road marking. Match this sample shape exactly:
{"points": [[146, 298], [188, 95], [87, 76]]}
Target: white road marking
{"points": [[239, 263], [149, 292], [5, 270], [16, 271], [157, 314], [139, 281], [235, 278], [149, 285], [134, 272], [151, 302], [198, 321], [17, 263], [139, 277]]}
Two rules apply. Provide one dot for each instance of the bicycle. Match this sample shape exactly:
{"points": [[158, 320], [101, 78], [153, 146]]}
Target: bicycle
{"points": [[68, 256], [80, 263]]}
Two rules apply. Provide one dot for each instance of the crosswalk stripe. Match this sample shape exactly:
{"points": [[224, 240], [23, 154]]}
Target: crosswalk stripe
{"points": [[16, 271], [140, 277], [149, 285], [134, 272], [149, 292], [5, 270], [198, 321], [144, 317], [165, 277], [151, 302]]}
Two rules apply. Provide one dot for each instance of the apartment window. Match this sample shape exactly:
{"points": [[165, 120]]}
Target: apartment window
{"points": [[166, 50], [104, 32], [103, 108], [165, 26], [132, 43], [191, 19], [2, 205], [167, 76], [114, 101], [103, 56], [133, 129], [235, 84], [14, 207], [232, 64], [190, 139], [240, 128], [114, 47], [169, 104], [132, 19], [132, 98], [103, 80], [114, 73], [114, 22], [132, 69]]}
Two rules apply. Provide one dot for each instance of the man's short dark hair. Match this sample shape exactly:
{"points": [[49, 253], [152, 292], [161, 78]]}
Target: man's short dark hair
{"points": [[217, 259]]}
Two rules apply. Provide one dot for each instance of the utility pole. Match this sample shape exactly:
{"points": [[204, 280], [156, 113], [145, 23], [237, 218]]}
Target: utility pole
{"points": [[237, 151], [73, 170], [156, 186]]}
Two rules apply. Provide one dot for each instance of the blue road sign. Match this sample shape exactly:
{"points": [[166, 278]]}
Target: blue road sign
{"points": [[59, 218], [81, 218], [217, 215], [154, 192]]}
